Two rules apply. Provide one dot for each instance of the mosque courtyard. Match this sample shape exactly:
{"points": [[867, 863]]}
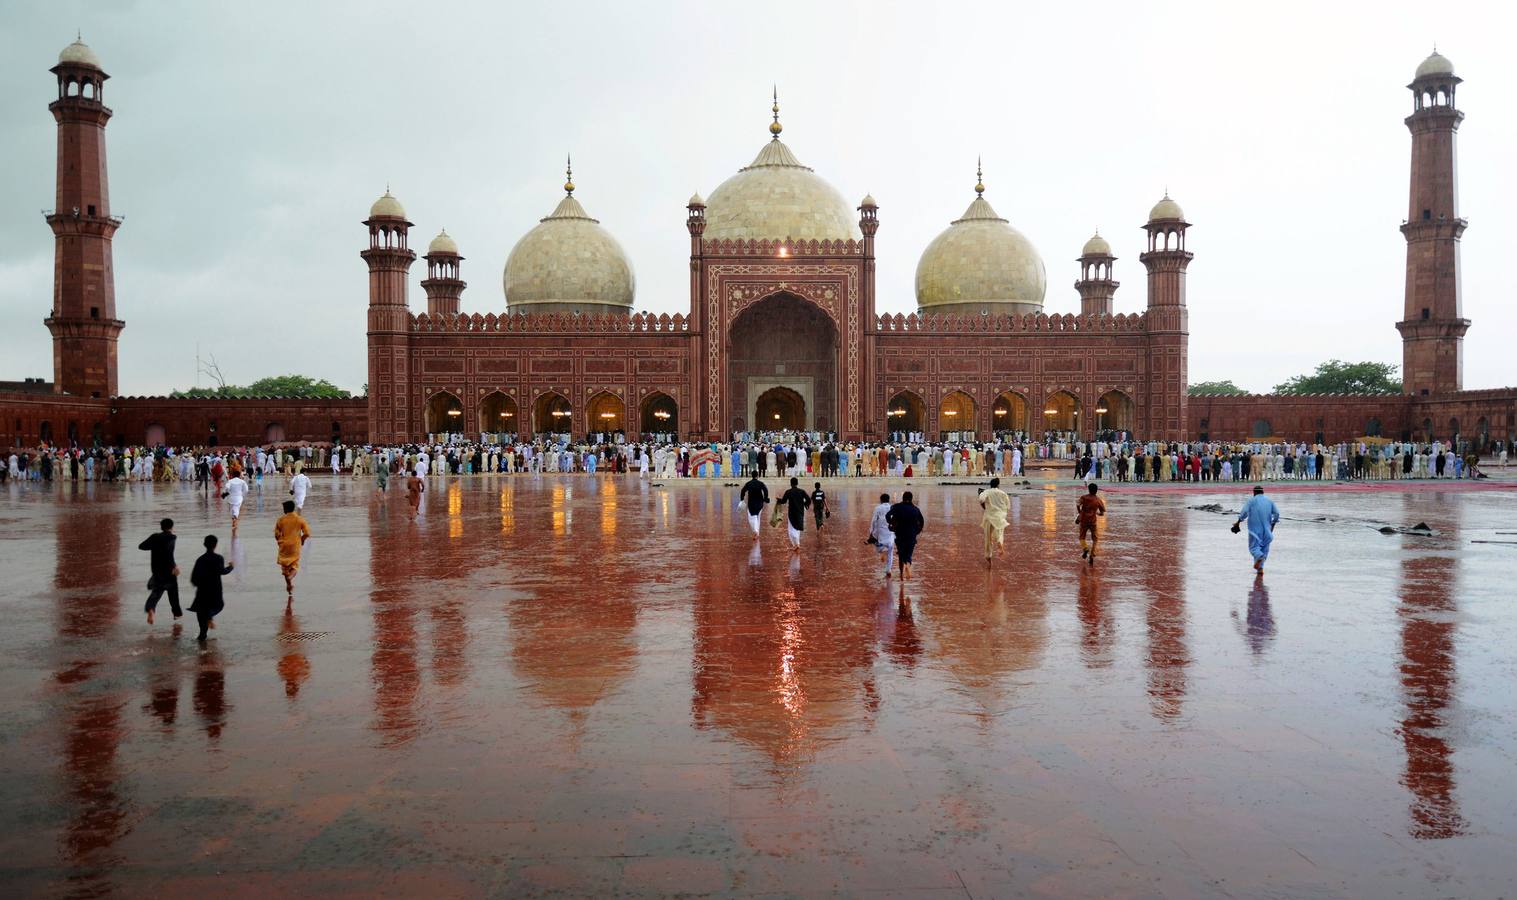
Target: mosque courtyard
{"points": [[596, 686]]}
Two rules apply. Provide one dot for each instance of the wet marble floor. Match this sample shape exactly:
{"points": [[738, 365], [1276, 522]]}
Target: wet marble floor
{"points": [[595, 686]]}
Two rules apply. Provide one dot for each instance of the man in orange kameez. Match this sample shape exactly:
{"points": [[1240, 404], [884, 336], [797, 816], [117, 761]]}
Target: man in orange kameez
{"points": [[290, 533]]}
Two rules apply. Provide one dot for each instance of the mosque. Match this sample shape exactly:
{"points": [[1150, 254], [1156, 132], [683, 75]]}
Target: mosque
{"points": [[782, 332]]}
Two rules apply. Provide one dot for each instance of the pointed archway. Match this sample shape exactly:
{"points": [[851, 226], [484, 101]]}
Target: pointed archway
{"points": [[1115, 411], [552, 414], [659, 414], [1061, 413], [906, 413], [607, 413], [780, 409], [956, 414], [498, 414], [445, 413], [1009, 415]]}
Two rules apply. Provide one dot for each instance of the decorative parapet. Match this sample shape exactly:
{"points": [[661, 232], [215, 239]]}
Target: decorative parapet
{"points": [[550, 323], [782, 248], [934, 323]]}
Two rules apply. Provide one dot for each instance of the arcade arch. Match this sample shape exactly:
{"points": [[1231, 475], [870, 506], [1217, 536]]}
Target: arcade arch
{"points": [[658, 414], [1114, 412], [956, 413], [1061, 412], [607, 413], [497, 414], [445, 413], [906, 413], [1009, 413], [552, 414]]}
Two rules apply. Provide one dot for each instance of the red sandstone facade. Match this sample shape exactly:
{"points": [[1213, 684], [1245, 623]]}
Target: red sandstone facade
{"points": [[779, 328], [779, 332]]}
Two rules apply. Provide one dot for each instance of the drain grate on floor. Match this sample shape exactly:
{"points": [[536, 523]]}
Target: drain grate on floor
{"points": [[300, 637]]}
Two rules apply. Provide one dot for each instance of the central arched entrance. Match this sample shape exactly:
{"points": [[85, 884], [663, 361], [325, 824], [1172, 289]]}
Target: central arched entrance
{"points": [[1009, 415], [782, 341], [780, 409], [606, 413]]}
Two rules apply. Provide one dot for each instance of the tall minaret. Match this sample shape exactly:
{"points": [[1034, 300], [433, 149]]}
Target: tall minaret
{"points": [[1168, 322], [389, 260], [443, 284], [1432, 332], [1097, 284], [83, 321]]}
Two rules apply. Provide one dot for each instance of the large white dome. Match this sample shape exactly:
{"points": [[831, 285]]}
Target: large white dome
{"points": [[980, 264], [568, 263], [775, 197]]}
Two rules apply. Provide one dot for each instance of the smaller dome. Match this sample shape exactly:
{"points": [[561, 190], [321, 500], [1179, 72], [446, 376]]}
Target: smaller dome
{"points": [[1435, 65], [1166, 209], [387, 206], [78, 53], [443, 243], [868, 202], [696, 199], [1096, 246]]}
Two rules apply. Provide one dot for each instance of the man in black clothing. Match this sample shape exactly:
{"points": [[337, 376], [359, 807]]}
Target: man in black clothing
{"points": [[756, 495], [905, 520], [796, 501], [165, 577], [819, 505]]}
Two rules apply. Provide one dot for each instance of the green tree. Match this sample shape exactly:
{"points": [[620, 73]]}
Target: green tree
{"points": [[275, 386], [1215, 389], [1338, 377]]}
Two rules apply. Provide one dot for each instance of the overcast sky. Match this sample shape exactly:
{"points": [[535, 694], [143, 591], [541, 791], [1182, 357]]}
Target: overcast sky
{"points": [[249, 140]]}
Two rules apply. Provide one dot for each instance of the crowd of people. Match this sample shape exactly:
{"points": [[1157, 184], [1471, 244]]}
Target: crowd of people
{"points": [[1112, 460]]}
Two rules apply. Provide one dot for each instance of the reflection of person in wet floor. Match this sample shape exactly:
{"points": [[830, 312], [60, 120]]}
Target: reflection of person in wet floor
{"points": [[1262, 516], [796, 501], [1259, 628], [996, 505], [290, 533], [165, 573], [756, 495], [906, 521], [415, 487], [206, 577], [293, 666], [1087, 509], [880, 534]]}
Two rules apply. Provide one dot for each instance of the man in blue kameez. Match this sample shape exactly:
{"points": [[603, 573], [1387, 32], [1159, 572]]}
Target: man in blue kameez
{"points": [[1262, 517]]}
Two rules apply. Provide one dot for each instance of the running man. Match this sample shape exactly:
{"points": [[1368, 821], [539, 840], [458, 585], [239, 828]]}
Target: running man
{"points": [[1262, 516], [233, 492], [290, 533], [165, 571], [299, 486], [756, 495], [415, 487], [819, 505], [796, 501], [996, 505], [1088, 507]]}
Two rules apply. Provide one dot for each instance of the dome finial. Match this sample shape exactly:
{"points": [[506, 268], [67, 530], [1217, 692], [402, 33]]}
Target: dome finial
{"points": [[775, 127], [568, 174], [979, 176]]}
